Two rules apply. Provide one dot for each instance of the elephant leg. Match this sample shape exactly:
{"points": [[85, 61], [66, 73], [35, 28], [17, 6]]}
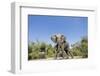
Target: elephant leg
{"points": [[70, 54], [63, 53], [66, 52], [67, 55], [56, 54], [55, 50], [59, 51]]}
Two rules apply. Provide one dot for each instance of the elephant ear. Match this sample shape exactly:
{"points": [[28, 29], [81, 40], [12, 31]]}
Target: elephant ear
{"points": [[54, 38]]}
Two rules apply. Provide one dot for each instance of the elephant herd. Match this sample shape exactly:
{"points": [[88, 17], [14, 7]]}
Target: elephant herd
{"points": [[61, 46]]}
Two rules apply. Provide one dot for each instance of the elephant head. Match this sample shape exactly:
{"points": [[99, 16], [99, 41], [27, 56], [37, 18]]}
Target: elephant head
{"points": [[58, 38]]}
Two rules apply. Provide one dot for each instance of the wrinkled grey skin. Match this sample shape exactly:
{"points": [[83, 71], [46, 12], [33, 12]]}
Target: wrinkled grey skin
{"points": [[61, 46]]}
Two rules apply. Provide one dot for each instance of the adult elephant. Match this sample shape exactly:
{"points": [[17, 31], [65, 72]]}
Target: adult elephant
{"points": [[61, 46]]}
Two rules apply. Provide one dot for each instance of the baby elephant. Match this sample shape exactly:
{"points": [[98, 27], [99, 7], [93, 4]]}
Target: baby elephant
{"points": [[61, 46]]}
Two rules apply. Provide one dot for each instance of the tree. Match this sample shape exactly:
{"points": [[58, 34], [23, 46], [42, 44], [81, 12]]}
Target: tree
{"points": [[80, 48], [84, 47], [40, 50]]}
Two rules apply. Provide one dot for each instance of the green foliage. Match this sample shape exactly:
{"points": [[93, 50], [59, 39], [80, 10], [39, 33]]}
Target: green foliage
{"points": [[81, 48], [50, 51], [41, 50]]}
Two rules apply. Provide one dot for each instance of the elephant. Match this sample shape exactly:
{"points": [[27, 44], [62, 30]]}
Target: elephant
{"points": [[61, 46]]}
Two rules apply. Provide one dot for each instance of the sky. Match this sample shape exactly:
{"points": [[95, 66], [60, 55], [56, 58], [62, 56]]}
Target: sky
{"points": [[42, 27]]}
